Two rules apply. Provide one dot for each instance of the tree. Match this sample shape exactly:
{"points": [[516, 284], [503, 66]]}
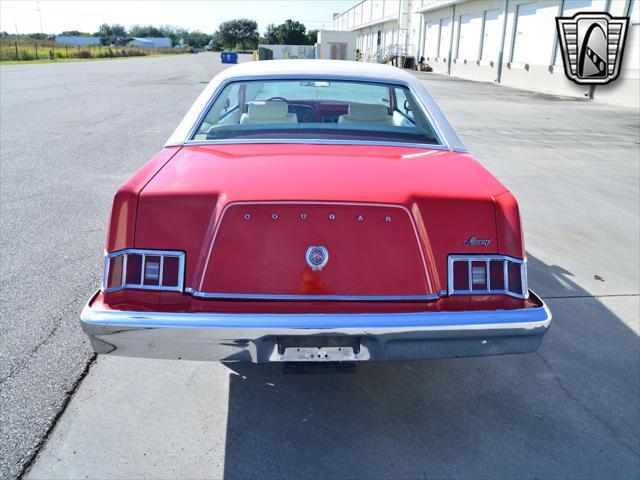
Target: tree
{"points": [[216, 42], [291, 32], [312, 37], [271, 35], [197, 39], [146, 31], [239, 32], [108, 33]]}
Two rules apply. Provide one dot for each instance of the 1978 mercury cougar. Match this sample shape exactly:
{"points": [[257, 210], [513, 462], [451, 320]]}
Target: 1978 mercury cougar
{"points": [[314, 210]]}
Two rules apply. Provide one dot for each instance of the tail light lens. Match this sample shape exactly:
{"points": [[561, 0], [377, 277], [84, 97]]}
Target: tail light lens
{"points": [[487, 274], [143, 269]]}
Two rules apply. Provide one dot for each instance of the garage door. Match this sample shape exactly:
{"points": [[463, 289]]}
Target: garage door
{"points": [[431, 40], [525, 45], [445, 37], [468, 38], [491, 36]]}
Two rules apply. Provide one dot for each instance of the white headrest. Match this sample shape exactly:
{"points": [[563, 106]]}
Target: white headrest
{"points": [[368, 112], [268, 110]]}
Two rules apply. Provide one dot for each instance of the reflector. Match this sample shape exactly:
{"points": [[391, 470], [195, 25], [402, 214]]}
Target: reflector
{"points": [[479, 275], [151, 270]]}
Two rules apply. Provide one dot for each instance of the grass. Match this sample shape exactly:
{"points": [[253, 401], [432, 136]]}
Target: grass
{"points": [[72, 60], [14, 51]]}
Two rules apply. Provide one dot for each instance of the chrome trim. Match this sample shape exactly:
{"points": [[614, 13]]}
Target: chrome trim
{"points": [[435, 123], [348, 298], [298, 141], [306, 202], [253, 337], [487, 258], [140, 286]]}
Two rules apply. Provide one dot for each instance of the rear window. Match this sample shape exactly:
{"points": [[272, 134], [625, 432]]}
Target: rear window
{"points": [[316, 110]]}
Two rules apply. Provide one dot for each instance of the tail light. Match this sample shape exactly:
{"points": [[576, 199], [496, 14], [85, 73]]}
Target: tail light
{"points": [[143, 269], [487, 274]]}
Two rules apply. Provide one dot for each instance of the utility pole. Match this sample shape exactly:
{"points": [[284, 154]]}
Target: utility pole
{"points": [[39, 16]]}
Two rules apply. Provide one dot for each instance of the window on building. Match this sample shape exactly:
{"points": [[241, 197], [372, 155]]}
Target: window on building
{"points": [[490, 36], [379, 38], [445, 37], [468, 38]]}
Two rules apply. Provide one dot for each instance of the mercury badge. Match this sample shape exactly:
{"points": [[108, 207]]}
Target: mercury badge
{"points": [[592, 44], [317, 257]]}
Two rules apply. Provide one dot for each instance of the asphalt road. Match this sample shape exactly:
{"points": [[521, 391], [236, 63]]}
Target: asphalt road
{"points": [[72, 133]]}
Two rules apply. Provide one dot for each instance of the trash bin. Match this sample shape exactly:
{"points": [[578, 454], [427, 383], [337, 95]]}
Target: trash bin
{"points": [[229, 57]]}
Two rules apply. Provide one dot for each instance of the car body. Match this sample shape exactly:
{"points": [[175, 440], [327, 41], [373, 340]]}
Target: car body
{"points": [[344, 223]]}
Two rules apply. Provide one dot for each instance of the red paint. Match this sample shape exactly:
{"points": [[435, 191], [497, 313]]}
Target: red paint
{"points": [[449, 196], [368, 255], [125, 203]]}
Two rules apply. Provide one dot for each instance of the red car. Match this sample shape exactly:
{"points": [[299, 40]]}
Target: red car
{"points": [[314, 210]]}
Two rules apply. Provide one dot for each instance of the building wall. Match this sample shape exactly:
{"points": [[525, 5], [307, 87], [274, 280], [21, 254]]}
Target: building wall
{"points": [[327, 37], [513, 41], [152, 42], [73, 40], [283, 52]]}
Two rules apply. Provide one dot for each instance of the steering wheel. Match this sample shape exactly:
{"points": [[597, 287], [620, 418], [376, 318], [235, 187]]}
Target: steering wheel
{"points": [[407, 106], [276, 99]]}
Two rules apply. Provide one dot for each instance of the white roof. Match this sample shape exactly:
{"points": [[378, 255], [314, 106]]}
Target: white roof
{"points": [[316, 68], [337, 68]]}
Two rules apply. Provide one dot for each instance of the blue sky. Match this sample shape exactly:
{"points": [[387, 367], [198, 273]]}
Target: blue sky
{"points": [[205, 15]]}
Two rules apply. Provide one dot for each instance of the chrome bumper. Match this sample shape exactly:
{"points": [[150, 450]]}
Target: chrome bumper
{"points": [[255, 337]]}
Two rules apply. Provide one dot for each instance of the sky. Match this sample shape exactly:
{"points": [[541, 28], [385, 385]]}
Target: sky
{"points": [[204, 15]]}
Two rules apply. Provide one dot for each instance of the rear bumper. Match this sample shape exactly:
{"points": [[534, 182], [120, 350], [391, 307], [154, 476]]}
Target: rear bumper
{"points": [[255, 337]]}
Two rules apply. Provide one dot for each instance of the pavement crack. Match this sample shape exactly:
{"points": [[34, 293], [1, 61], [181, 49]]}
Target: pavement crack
{"points": [[65, 402], [33, 351], [579, 402]]}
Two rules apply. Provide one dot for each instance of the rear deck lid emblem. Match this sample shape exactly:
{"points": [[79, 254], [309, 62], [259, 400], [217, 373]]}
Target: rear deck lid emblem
{"points": [[317, 257]]}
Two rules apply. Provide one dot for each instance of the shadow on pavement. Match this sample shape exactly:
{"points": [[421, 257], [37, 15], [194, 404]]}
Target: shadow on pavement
{"points": [[570, 410]]}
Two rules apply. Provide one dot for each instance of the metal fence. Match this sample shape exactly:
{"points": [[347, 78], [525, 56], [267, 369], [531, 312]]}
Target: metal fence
{"points": [[26, 50]]}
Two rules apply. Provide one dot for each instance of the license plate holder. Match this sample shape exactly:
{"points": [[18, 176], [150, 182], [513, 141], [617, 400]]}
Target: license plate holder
{"points": [[318, 354]]}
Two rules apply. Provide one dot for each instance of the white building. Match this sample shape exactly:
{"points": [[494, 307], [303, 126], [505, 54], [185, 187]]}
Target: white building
{"points": [[151, 42], [336, 45], [513, 42], [284, 52]]}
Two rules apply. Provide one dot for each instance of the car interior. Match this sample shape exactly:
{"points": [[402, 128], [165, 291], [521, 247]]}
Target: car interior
{"points": [[322, 109]]}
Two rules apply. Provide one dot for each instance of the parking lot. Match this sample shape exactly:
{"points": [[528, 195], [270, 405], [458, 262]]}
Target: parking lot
{"points": [[71, 133]]}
